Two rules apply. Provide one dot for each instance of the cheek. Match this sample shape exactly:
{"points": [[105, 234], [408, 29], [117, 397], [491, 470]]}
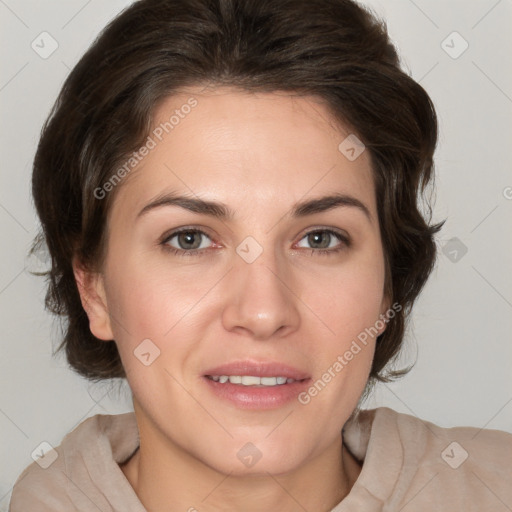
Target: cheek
{"points": [[150, 300], [158, 301], [151, 306], [349, 306], [350, 299]]}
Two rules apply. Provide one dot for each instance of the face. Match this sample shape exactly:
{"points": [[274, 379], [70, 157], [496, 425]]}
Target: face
{"points": [[269, 289]]}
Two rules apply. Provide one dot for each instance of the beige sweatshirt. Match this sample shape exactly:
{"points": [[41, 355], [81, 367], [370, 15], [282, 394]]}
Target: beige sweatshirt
{"points": [[409, 465]]}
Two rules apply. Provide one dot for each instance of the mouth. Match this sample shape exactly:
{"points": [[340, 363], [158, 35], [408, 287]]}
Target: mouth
{"points": [[256, 385]]}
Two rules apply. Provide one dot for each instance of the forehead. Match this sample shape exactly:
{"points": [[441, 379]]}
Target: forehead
{"points": [[248, 150]]}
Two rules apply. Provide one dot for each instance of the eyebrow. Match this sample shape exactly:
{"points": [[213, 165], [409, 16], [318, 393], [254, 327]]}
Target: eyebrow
{"points": [[222, 211]]}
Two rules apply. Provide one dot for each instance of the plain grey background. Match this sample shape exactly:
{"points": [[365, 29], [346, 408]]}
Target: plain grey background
{"points": [[461, 329]]}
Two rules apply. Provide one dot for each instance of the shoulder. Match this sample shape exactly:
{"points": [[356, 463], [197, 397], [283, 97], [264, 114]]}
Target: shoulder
{"points": [[54, 480], [477, 446], [448, 467]]}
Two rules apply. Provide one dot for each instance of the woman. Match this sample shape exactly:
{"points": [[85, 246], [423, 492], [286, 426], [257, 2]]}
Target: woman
{"points": [[229, 191]]}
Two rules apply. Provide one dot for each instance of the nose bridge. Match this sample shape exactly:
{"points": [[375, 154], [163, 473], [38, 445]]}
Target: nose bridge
{"points": [[260, 297]]}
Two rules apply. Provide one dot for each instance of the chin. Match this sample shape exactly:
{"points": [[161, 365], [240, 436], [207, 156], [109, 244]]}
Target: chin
{"points": [[248, 459]]}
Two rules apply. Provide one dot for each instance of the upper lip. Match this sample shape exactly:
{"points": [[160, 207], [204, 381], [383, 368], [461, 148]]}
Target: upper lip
{"points": [[258, 369]]}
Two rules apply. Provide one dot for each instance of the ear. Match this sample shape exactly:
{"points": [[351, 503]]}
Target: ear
{"points": [[92, 294], [384, 308]]}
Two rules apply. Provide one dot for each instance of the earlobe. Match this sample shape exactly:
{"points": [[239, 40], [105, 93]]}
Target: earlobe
{"points": [[92, 294]]}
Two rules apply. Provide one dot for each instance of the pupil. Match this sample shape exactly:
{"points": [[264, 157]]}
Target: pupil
{"points": [[187, 238], [314, 238]]}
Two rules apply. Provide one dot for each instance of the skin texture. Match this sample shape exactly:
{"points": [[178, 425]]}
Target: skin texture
{"points": [[258, 154]]}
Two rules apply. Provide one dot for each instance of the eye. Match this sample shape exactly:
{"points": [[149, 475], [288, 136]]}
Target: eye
{"points": [[323, 241], [192, 242], [187, 241]]}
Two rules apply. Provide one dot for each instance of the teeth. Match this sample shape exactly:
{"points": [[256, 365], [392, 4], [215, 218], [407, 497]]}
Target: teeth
{"points": [[250, 380]]}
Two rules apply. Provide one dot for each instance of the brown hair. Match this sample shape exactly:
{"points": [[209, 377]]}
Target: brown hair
{"points": [[334, 50]]}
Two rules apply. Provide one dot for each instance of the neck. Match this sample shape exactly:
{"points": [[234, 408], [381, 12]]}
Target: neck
{"points": [[175, 481]]}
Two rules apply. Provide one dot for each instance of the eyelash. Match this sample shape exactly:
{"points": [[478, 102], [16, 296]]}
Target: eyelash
{"points": [[346, 242]]}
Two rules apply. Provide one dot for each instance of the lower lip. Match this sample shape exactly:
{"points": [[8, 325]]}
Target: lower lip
{"points": [[252, 397]]}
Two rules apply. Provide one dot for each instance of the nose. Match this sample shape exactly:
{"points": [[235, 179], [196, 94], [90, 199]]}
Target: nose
{"points": [[262, 300]]}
